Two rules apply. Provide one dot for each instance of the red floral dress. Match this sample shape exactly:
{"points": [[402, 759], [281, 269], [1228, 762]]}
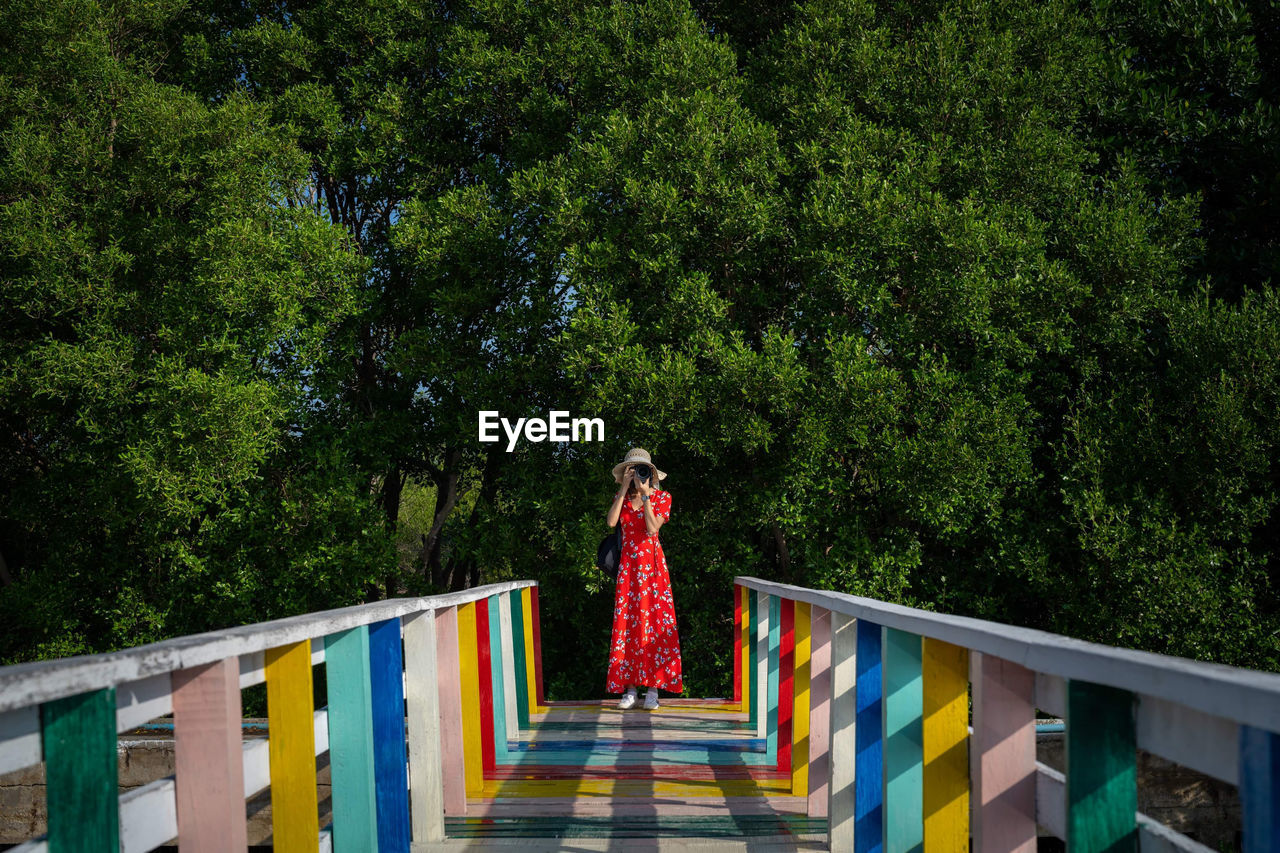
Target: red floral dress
{"points": [[646, 647]]}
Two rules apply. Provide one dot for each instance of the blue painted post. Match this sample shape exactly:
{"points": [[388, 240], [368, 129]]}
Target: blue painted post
{"points": [[868, 834], [1260, 789], [346, 665], [390, 758], [904, 743]]}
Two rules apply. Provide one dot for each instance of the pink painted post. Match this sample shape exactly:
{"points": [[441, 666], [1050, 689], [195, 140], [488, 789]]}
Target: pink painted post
{"points": [[1003, 760], [209, 758], [819, 710], [447, 679]]}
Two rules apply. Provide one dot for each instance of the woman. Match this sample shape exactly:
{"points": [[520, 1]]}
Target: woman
{"points": [[646, 647]]}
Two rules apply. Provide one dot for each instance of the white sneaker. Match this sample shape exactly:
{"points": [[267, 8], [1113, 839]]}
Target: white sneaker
{"points": [[628, 699], [651, 700]]}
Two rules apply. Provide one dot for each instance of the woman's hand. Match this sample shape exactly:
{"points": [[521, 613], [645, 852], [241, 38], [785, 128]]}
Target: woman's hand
{"points": [[642, 486]]}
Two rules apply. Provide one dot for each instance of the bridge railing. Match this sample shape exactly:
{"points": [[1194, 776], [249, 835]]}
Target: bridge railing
{"points": [[446, 668], [869, 704]]}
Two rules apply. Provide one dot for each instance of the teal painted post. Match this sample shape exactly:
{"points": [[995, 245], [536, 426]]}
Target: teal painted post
{"points": [[355, 803], [501, 755], [522, 673], [753, 620], [775, 644], [1102, 771], [904, 743], [81, 785], [1260, 789]]}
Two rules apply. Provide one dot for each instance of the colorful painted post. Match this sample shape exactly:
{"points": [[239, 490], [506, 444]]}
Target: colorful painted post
{"points": [[762, 664], [800, 716], [845, 728], [752, 689], [81, 786], [423, 715], [498, 680], [786, 682], [390, 755], [537, 644], [737, 646], [452, 741], [510, 714], [869, 771], [1102, 778], [904, 742], [745, 635], [355, 801], [295, 820], [1260, 789], [485, 670], [1004, 757], [518, 623], [775, 665], [469, 675], [530, 656], [209, 758], [946, 746], [820, 712]]}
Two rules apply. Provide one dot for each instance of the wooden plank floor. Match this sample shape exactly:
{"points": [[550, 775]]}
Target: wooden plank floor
{"points": [[587, 776]]}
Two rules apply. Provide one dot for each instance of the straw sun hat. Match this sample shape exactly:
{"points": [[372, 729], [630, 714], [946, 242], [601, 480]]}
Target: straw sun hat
{"points": [[637, 456]]}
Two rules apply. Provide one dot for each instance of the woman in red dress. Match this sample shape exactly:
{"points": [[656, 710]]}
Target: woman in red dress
{"points": [[646, 648]]}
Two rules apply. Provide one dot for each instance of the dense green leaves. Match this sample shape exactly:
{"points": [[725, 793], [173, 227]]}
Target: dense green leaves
{"points": [[966, 305]]}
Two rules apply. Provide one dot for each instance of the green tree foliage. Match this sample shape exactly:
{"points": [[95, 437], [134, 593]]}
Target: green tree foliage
{"points": [[965, 304], [167, 291]]}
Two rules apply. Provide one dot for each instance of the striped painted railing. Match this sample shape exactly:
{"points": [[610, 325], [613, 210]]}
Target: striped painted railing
{"points": [[848, 714], [419, 682], [867, 705]]}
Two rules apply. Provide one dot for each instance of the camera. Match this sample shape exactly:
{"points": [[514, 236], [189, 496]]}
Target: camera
{"points": [[643, 473]]}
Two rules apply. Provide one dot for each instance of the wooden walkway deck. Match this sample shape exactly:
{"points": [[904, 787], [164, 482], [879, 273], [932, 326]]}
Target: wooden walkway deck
{"points": [[587, 776]]}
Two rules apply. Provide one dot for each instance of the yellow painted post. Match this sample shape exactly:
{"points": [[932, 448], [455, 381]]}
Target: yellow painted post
{"points": [[526, 598], [946, 746], [469, 672], [291, 745], [800, 710]]}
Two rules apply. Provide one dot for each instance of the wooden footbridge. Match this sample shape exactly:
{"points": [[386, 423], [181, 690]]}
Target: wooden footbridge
{"points": [[853, 725]]}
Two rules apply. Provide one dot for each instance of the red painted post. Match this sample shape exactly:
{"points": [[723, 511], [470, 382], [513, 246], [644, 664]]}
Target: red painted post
{"points": [[537, 645], [786, 682], [737, 645], [486, 686]]}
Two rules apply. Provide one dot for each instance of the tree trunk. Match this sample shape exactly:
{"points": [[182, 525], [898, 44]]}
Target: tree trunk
{"points": [[446, 499], [5, 578]]}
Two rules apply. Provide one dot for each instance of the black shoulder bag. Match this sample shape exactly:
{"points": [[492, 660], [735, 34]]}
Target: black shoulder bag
{"points": [[609, 553]]}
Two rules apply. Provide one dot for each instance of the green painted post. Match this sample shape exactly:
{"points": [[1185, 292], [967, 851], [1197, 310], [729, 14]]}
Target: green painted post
{"points": [[903, 743], [82, 788], [1102, 769], [355, 814], [522, 675]]}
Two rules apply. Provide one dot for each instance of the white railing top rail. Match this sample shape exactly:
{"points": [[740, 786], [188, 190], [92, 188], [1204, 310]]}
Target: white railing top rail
{"points": [[1242, 695], [26, 684]]}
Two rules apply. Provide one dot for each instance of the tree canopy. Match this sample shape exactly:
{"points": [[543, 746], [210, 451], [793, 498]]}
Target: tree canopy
{"points": [[964, 304]]}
